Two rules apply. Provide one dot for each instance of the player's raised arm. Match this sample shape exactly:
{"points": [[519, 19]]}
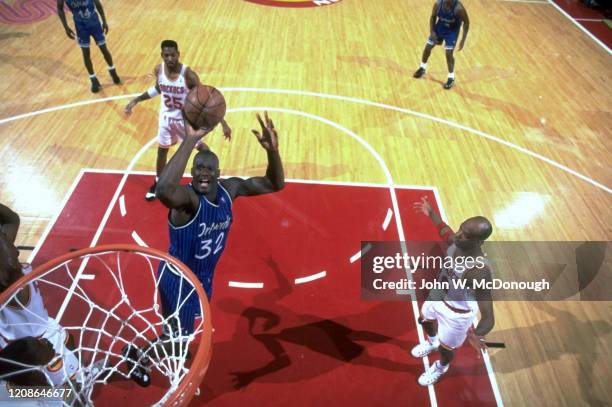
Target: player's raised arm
{"points": [[425, 208], [274, 180], [9, 223], [149, 94], [62, 17], [168, 190]]}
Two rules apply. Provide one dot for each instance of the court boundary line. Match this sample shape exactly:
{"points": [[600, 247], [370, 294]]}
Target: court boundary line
{"points": [[353, 100], [581, 27]]}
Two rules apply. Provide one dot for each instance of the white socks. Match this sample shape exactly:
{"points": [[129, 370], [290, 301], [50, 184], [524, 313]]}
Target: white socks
{"points": [[423, 65], [451, 75]]}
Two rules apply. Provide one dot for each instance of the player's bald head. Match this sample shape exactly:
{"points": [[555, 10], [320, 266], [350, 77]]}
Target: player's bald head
{"points": [[205, 156], [479, 227]]}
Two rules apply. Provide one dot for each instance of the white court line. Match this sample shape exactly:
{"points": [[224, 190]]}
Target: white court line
{"points": [[88, 276], [361, 252], [581, 27], [364, 102], [239, 284], [595, 20], [385, 224], [122, 205], [313, 277], [485, 355], [138, 239]]}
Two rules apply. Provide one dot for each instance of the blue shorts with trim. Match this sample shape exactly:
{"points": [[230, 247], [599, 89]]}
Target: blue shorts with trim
{"points": [[448, 36], [89, 28]]}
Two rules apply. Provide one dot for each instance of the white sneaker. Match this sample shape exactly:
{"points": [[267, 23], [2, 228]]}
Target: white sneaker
{"points": [[424, 348], [433, 374]]}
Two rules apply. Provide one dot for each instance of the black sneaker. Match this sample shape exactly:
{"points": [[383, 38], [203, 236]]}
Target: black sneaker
{"points": [[449, 83], [136, 371], [113, 74], [95, 85], [419, 72], [150, 195]]}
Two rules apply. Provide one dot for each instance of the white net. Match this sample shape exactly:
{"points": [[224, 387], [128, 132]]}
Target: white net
{"points": [[110, 335]]}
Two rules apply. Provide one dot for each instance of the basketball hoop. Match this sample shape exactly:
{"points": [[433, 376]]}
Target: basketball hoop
{"points": [[107, 298]]}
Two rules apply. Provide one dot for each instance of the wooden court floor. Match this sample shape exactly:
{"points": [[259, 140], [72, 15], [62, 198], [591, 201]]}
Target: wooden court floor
{"points": [[522, 138]]}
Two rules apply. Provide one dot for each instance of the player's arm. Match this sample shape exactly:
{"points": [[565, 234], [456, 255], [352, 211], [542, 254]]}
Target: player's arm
{"points": [[274, 180], [149, 94], [9, 223], [168, 190], [100, 9], [486, 323], [432, 22], [425, 208], [465, 19], [62, 17]]}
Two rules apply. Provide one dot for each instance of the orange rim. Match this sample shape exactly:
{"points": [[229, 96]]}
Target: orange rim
{"points": [[186, 390]]}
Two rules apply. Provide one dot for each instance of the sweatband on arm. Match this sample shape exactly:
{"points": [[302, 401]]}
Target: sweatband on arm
{"points": [[152, 92]]}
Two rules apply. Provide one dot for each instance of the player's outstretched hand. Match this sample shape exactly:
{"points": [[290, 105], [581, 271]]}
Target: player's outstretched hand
{"points": [[476, 341], [227, 131], [128, 108], [192, 133], [268, 138], [423, 207], [70, 33]]}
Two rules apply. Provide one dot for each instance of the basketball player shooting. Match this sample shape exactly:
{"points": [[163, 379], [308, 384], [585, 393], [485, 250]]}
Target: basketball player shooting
{"points": [[444, 25], [173, 80], [201, 212], [449, 322]]}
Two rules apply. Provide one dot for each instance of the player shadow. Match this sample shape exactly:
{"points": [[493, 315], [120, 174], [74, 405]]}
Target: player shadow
{"points": [[564, 325], [309, 347], [17, 34]]}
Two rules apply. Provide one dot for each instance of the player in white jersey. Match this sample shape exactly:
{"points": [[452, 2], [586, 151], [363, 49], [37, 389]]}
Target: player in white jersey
{"points": [[448, 320], [173, 80], [25, 316]]}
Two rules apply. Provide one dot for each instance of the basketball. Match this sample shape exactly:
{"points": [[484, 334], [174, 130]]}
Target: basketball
{"points": [[204, 106]]}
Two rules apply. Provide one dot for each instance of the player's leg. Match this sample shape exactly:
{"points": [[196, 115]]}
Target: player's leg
{"points": [[428, 320], [98, 34], [83, 34], [450, 40], [450, 62], [426, 54], [452, 332]]}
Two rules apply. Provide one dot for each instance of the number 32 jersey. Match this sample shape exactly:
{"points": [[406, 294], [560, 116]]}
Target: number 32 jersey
{"points": [[200, 243], [173, 93]]}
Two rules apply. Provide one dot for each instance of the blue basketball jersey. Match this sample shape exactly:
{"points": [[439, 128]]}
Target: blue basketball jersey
{"points": [[200, 243], [447, 19], [82, 10]]}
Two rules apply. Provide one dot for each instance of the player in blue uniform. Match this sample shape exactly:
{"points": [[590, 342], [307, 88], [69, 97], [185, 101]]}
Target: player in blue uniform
{"points": [[87, 24], [201, 213], [444, 24]]}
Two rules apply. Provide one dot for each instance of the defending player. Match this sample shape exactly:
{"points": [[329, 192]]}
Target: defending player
{"points": [[173, 80], [87, 24], [448, 322], [26, 315], [444, 25]]}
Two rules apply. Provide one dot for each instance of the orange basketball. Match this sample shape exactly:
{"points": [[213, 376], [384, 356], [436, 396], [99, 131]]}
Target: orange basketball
{"points": [[204, 107]]}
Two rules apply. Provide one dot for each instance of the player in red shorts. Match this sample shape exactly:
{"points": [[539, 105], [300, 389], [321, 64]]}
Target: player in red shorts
{"points": [[448, 321]]}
